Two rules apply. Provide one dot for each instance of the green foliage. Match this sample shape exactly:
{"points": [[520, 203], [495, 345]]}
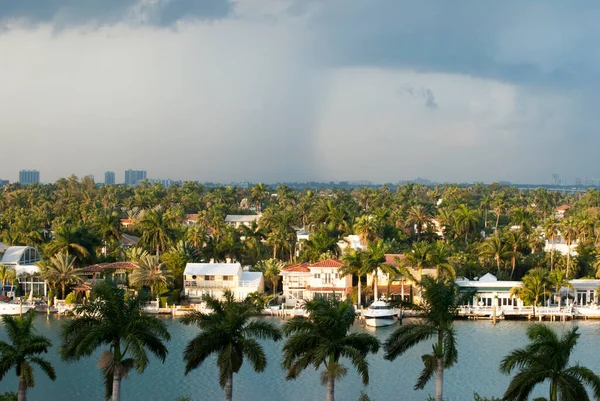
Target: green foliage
{"points": [[8, 396], [364, 397], [71, 299]]}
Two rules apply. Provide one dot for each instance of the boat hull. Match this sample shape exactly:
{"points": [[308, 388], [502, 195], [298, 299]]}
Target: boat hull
{"points": [[13, 309], [380, 321]]}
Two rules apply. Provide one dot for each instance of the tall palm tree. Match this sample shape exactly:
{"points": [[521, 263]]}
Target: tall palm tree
{"points": [[569, 232], [437, 311], [495, 248], [366, 227], [23, 351], [354, 265], [118, 322], [231, 333], [270, 269], [157, 229], [374, 258], [439, 256], [152, 274], [417, 217], [322, 339], [62, 271], [259, 193], [546, 358], [514, 239], [68, 240], [466, 220]]}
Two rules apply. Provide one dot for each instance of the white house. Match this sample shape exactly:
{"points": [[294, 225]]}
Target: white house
{"points": [[353, 241], [559, 244], [237, 220], [488, 288], [23, 259], [214, 278], [304, 281]]}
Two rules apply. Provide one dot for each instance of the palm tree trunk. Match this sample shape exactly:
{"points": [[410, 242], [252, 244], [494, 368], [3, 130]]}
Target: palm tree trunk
{"points": [[514, 263], [359, 291], [553, 391], [274, 251], [439, 380], [498, 263], [375, 292], [497, 220], [568, 257], [116, 387], [22, 394], [552, 254], [63, 290], [229, 387], [330, 388]]}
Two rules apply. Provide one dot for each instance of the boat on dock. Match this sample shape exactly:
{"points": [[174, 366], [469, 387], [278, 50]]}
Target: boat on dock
{"points": [[379, 314], [13, 308]]}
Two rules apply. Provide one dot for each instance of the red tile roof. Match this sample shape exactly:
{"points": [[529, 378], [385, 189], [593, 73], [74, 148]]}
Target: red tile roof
{"points": [[328, 263], [126, 221], [563, 208], [298, 267], [191, 217], [100, 267], [390, 258]]}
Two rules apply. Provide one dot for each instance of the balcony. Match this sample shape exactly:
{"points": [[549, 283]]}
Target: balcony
{"points": [[211, 284]]}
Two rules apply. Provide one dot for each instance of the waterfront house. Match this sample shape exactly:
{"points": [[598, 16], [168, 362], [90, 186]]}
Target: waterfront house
{"points": [[399, 287], [237, 220], [24, 260], [305, 281], [489, 291], [118, 272], [214, 278]]}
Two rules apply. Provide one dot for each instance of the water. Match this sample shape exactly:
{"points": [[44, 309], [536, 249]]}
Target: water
{"points": [[481, 348]]}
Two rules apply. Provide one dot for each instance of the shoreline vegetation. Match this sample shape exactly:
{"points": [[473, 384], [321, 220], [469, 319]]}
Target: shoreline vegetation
{"points": [[540, 237]]}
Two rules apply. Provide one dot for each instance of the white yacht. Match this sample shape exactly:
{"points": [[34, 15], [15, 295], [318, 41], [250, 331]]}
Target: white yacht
{"points": [[10, 308], [380, 313]]}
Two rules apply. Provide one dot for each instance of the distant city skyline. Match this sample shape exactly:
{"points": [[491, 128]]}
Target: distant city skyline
{"points": [[301, 90]]}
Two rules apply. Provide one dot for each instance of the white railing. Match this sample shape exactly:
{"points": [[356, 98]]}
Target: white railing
{"points": [[211, 284]]}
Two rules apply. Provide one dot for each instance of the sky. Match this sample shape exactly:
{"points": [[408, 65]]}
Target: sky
{"points": [[301, 90]]}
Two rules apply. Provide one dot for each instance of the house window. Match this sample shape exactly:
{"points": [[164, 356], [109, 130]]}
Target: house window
{"points": [[209, 278], [227, 278], [317, 275], [337, 276]]}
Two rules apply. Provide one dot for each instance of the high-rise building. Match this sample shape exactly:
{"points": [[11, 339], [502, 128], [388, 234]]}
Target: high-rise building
{"points": [[3, 183], [133, 177], [27, 177], [109, 178]]}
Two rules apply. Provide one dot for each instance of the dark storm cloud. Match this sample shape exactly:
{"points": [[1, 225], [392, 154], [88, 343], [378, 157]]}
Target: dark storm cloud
{"points": [[533, 43], [79, 12]]}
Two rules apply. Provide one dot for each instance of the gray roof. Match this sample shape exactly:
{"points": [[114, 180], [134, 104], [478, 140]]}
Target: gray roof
{"points": [[242, 218], [13, 254], [252, 276], [213, 269]]}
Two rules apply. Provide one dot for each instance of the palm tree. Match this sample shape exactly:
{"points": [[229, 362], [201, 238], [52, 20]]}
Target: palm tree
{"points": [[418, 216], [495, 248], [23, 351], [514, 239], [354, 265], [119, 322], [533, 287], [569, 232], [61, 270], [466, 220], [270, 269], [6, 274], [151, 273], [546, 358], [366, 228], [68, 240], [259, 193], [437, 310], [156, 227], [374, 258], [439, 256], [231, 333], [322, 339], [558, 279]]}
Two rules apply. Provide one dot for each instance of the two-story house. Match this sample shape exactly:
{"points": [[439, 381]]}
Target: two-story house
{"points": [[237, 220], [214, 278], [305, 281], [24, 260]]}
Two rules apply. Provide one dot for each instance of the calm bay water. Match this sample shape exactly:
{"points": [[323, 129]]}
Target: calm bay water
{"points": [[481, 348]]}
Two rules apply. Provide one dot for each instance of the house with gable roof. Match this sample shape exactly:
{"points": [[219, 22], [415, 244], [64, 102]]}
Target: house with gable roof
{"points": [[304, 281]]}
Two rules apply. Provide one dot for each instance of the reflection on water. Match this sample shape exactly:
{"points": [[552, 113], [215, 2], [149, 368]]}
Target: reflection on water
{"points": [[481, 348]]}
